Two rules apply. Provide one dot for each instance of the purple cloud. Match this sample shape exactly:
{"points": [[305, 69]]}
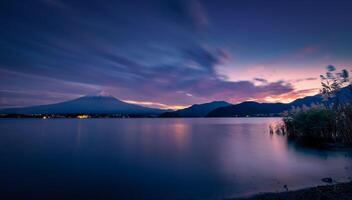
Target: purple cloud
{"points": [[128, 79], [189, 13], [165, 82], [261, 80]]}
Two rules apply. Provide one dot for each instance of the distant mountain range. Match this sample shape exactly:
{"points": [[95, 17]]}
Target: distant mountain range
{"points": [[274, 109], [250, 108], [196, 110], [86, 105], [105, 104]]}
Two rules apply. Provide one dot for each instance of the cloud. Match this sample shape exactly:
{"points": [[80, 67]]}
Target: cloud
{"points": [[291, 96], [84, 53], [128, 79], [23, 89], [189, 13], [205, 58], [165, 82], [261, 80], [304, 79], [155, 104]]}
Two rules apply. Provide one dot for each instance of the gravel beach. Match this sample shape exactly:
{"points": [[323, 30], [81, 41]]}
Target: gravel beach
{"points": [[341, 191]]}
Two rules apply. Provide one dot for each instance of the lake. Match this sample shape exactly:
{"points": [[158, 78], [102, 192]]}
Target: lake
{"points": [[156, 159]]}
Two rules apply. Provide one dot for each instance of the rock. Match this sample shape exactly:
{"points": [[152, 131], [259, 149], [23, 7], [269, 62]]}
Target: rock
{"points": [[327, 180]]}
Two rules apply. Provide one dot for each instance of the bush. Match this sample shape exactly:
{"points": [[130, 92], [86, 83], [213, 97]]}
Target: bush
{"points": [[318, 125], [330, 122]]}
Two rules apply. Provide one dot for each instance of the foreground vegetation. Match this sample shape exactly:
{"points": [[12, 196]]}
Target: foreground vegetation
{"points": [[327, 123]]}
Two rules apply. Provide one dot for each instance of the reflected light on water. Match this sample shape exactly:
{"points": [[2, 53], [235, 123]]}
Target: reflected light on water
{"points": [[180, 135], [158, 158], [78, 144]]}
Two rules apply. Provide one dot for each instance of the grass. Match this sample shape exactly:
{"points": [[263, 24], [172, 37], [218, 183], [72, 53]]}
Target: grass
{"points": [[317, 125]]}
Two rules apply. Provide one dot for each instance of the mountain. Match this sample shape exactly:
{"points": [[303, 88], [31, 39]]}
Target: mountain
{"points": [[274, 109], [345, 95], [249, 108], [86, 105], [307, 100], [106, 104], [196, 110]]}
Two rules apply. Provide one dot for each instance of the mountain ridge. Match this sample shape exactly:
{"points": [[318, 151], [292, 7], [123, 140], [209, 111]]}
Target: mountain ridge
{"points": [[101, 104], [196, 110], [107, 104], [250, 108]]}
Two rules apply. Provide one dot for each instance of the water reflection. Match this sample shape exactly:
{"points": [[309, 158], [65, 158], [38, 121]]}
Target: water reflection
{"points": [[180, 135], [157, 159], [79, 127]]}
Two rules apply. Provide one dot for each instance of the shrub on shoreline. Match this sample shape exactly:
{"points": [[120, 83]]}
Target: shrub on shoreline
{"points": [[317, 125], [329, 122]]}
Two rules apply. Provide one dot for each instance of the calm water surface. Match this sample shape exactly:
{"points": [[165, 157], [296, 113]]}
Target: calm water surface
{"points": [[156, 159]]}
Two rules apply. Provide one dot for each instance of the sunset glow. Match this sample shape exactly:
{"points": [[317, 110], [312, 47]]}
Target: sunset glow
{"points": [[169, 54], [175, 99], [156, 105]]}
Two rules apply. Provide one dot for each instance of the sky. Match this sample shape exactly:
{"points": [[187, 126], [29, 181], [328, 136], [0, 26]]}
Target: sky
{"points": [[170, 53]]}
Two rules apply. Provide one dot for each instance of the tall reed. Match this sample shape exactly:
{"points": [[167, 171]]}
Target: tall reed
{"points": [[328, 122]]}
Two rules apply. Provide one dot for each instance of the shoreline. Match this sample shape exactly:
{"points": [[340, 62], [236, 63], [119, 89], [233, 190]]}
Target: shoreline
{"points": [[339, 191]]}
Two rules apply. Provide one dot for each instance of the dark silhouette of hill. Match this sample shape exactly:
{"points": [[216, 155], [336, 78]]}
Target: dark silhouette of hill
{"points": [[105, 104], [196, 110], [86, 105], [274, 109], [249, 108]]}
